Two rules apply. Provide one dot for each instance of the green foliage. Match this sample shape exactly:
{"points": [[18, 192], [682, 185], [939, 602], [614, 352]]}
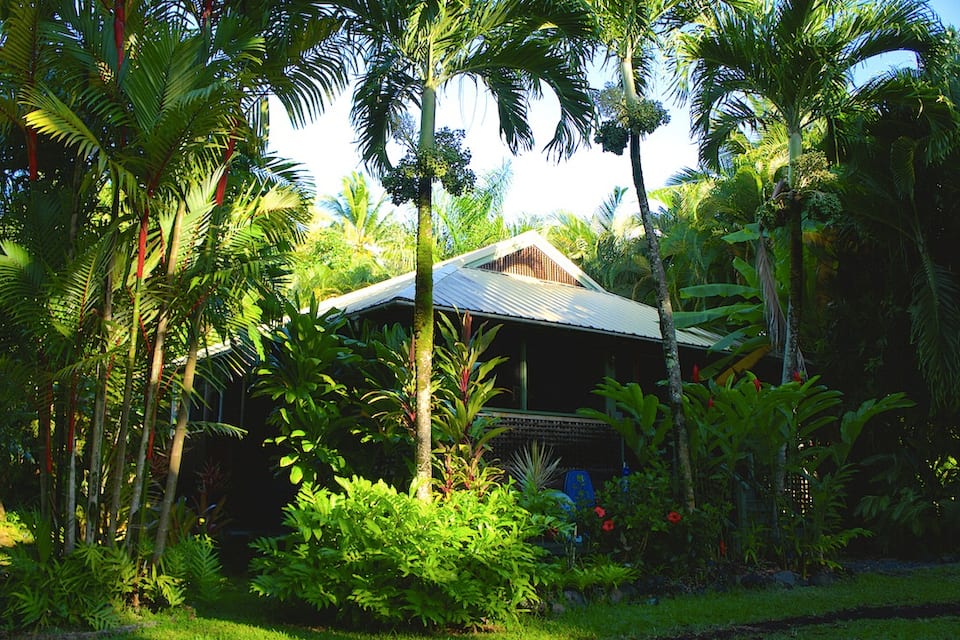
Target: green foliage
{"points": [[189, 571], [911, 500], [597, 573], [535, 466], [84, 589], [637, 521], [634, 418], [466, 385], [371, 551], [447, 162], [194, 564], [736, 431], [90, 587], [299, 376]]}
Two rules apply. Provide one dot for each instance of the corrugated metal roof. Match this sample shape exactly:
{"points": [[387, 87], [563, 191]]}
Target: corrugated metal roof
{"points": [[459, 285]]}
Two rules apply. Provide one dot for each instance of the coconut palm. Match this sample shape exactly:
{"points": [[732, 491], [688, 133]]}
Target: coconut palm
{"points": [[412, 50], [361, 217], [791, 61]]}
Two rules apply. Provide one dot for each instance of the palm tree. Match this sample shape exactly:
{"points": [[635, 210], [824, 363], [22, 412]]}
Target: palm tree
{"points": [[473, 219], [360, 217], [232, 252], [791, 62], [631, 31], [413, 49]]}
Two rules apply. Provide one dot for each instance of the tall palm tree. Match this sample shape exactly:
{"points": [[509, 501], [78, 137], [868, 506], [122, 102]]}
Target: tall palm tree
{"points": [[791, 62], [413, 49], [632, 31]]}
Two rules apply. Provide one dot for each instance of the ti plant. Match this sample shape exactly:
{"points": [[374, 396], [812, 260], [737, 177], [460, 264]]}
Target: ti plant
{"points": [[466, 385]]}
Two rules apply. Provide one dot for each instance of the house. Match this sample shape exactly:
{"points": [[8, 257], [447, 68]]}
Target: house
{"points": [[561, 333]]}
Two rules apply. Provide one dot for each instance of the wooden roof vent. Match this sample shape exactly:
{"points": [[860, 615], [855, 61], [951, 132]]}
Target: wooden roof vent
{"points": [[533, 263]]}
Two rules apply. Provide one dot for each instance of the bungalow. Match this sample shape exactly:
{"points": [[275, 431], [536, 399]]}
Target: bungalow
{"points": [[561, 332]]}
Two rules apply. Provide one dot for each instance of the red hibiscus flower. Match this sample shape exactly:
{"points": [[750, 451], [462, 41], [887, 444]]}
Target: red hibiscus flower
{"points": [[673, 517], [607, 525], [600, 511]]}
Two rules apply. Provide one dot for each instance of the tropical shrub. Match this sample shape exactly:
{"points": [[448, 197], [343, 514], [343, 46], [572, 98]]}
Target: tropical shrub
{"points": [[737, 431], [301, 376], [534, 468], [86, 588], [89, 587], [371, 552], [637, 521]]}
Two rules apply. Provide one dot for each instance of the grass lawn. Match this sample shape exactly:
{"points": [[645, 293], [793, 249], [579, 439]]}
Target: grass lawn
{"points": [[866, 600]]}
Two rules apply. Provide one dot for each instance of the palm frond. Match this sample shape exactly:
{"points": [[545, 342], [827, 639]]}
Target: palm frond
{"points": [[935, 330]]}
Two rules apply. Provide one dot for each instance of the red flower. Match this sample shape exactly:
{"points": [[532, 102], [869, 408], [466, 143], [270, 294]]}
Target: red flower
{"points": [[723, 548], [710, 403], [796, 377], [756, 383], [607, 525], [600, 511], [696, 373], [673, 517]]}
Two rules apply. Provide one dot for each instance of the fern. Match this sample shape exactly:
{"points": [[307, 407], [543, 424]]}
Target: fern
{"points": [[195, 563]]}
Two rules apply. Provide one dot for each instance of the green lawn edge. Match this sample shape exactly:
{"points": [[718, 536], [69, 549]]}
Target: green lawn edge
{"points": [[242, 616]]}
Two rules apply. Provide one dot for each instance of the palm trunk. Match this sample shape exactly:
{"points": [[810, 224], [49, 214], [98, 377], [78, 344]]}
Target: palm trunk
{"points": [[45, 420], [179, 436], [91, 534], [671, 353], [120, 455], [791, 342], [70, 486], [423, 308], [791, 348], [153, 383]]}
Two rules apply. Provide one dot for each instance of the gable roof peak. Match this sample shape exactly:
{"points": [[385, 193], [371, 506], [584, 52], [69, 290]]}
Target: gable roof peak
{"points": [[487, 257]]}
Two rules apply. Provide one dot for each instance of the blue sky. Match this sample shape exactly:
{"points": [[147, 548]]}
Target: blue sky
{"points": [[540, 186]]}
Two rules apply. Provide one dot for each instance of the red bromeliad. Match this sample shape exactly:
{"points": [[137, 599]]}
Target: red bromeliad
{"points": [[696, 373]]}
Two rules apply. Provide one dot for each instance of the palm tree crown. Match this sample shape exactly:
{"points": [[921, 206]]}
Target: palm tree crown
{"points": [[793, 62]]}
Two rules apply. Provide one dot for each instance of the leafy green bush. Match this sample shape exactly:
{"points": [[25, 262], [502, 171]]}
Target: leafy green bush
{"points": [[637, 521], [194, 563], [370, 550], [83, 589], [89, 587]]}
